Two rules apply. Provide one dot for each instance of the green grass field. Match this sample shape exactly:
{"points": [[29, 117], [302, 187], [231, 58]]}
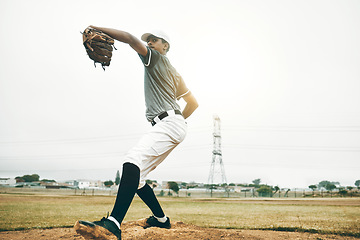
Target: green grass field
{"points": [[338, 216]]}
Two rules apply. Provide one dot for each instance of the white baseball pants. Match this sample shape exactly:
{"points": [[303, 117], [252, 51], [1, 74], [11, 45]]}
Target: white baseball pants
{"points": [[156, 145]]}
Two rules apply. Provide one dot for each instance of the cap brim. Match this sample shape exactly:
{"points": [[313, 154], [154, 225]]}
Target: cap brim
{"points": [[157, 34], [145, 36]]}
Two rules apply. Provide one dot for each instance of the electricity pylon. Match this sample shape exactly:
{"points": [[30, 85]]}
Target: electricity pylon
{"points": [[217, 171]]}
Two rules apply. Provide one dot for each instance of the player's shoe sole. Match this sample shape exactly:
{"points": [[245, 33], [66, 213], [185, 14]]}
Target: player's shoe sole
{"points": [[91, 231]]}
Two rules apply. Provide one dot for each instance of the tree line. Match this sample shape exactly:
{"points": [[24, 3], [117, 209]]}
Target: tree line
{"points": [[32, 178], [263, 190]]}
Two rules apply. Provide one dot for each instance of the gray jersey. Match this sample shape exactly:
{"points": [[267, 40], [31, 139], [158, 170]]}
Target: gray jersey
{"points": [[163, 84]]}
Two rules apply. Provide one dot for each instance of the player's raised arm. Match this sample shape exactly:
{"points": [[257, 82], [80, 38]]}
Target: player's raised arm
{"points": [[125, 37]]}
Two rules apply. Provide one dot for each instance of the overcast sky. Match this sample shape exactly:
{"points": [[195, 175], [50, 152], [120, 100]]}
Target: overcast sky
{"points": [[283, 76]]}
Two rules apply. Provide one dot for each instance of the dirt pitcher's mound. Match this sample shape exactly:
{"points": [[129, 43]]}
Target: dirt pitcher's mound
{"points": [[179, 230]]}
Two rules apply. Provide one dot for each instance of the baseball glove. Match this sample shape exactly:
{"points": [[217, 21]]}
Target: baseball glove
{"points": [[99, 46]]}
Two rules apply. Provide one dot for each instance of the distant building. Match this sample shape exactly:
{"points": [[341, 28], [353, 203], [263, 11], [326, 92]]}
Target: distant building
{"points": [[81, 183], [243, 189], [96, 184], [70, 183], [7, 181]]}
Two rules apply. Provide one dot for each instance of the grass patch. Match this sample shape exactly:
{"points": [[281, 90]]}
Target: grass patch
{"points": [[25, 212], [18, 212]]}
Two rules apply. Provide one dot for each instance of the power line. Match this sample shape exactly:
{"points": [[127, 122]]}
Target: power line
{"points": [[293, 148], [190, 147], [85, 155], [63, 156], [295, 128], [78, 169], [76, 140], [193, 131]]}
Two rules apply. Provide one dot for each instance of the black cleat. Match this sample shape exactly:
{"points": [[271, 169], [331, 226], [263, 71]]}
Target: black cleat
{"points": [[103, 229], [153, 222]]}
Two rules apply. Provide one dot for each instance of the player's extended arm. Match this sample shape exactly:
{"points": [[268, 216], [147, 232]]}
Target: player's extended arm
{"points": [[191, 105], [125, 37]]}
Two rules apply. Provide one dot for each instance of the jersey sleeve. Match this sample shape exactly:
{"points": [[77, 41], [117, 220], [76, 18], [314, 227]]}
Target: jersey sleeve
{"points": [[151, 57]]}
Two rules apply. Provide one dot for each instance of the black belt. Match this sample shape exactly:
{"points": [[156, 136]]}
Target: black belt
{"points": [[163, 115]]}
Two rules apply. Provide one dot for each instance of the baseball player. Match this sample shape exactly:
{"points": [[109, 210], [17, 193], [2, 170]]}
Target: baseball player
{"points": [[163, 86]]}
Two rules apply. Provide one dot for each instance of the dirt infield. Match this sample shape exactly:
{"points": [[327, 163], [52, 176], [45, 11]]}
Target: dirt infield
{"points": [[131, 230]]}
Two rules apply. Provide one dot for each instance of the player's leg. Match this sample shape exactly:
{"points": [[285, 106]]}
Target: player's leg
{"points": [[168, 134], [129, 183], [159, 219], [104, 228], [146, 193], [150, 151]]}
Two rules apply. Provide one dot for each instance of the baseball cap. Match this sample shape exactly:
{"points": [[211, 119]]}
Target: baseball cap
{"points": [[156, 33]]}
